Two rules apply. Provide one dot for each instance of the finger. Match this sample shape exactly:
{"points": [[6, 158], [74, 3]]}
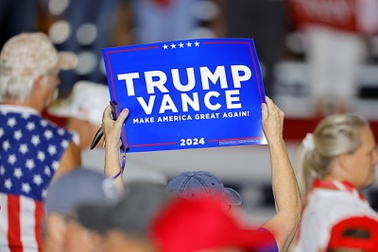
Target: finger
{"points": [[269, 102], [124, 114], [272, 107], [264, 109]]}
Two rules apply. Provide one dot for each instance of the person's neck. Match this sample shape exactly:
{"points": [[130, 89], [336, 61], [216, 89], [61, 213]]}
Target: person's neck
{"points": [[337, 177], [27, 103]]}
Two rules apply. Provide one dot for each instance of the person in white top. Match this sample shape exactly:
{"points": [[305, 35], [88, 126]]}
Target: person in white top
{"points": [[332, 165], [336, 39]]}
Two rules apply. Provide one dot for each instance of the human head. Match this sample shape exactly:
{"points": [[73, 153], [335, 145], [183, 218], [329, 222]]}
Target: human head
{"points": [[202, 223], [128, 220], [83, 109], [86, 102], [355, 234], [194, 184], [334, 136], [24, 58], [63, 197]]}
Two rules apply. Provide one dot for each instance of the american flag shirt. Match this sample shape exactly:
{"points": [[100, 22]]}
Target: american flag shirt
{"points": [[30, 152]]}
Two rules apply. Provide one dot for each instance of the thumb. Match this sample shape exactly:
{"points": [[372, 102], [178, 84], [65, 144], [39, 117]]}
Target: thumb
{"points": [[124, 114]]}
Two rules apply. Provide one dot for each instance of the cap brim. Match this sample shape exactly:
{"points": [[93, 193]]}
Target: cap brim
{"points": [[94, 217], [233, 196], [67, 60]]}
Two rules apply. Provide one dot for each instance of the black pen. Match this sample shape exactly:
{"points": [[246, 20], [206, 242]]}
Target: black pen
{"points": [[97, 138]]}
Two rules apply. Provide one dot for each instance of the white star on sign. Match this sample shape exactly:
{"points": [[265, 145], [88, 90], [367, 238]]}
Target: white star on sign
{"points": [[181, 45], [173, 46], [196, 43], [165, 47], [189, 44], [1, 132], [2, 170]]}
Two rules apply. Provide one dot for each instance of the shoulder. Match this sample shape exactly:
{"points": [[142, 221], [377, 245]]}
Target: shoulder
{"points": [[330, 204], [326, 207]]}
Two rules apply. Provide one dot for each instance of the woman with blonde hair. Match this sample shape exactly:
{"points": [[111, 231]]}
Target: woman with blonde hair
{"points": [[333, 164]]}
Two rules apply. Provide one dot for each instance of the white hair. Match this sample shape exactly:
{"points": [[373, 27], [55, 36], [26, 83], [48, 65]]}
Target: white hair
{"points": [[16, 88]]}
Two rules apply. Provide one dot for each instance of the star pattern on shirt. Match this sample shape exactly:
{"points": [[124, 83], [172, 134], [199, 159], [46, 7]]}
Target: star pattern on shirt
{"points": [[37, 179], [11, 122], [35, 140], [30, 152], [8, 184], [29, 164], [17, 173], [30, 126], [17, 135], [6, 145], [23, 148], [41, 155]]}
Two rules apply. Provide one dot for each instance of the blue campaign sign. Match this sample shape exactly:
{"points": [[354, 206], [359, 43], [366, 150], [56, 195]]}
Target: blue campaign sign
{"points": [[188, 94]]}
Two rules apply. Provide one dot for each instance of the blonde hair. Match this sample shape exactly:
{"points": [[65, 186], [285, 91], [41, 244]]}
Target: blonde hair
{"points": [[334, 135]]}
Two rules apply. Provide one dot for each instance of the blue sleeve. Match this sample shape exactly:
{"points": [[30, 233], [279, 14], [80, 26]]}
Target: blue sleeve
{"points": [[272, 247]]}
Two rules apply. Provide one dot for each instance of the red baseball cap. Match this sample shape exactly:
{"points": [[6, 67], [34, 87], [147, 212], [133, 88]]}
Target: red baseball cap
{"points": [[204, 223], [356, 232]]}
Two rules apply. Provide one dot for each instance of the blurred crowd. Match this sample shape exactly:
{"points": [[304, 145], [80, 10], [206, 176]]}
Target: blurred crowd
{"points": [[59, 194], [334, 40], [87, 26]]}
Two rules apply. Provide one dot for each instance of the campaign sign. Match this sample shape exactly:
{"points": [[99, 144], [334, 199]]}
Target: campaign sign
{"points": [[188, 94]]}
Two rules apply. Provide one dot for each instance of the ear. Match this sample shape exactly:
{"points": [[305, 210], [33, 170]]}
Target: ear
{"points": [[37, 87], [342, 163], [37, 82], [56, 228]]}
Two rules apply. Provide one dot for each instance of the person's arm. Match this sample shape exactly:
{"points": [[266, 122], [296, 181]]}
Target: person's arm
{"points": [[70, 160], [112, 133], [284, 224]]}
